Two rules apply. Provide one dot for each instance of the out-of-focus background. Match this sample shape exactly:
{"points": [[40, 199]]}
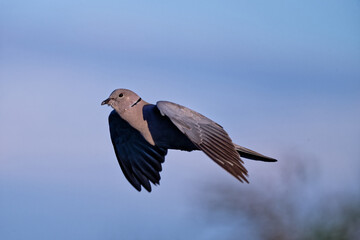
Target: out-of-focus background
{"points": [[282, 77]]}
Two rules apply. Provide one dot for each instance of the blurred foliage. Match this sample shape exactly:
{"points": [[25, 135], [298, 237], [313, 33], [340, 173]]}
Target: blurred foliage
{"points": [[286, 207], [346, 224]]}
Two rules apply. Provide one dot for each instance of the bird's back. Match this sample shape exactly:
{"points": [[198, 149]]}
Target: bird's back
{"points": [[164, 133]]}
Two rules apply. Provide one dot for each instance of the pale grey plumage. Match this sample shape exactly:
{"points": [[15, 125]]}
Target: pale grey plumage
{"points": [[207, 135]]}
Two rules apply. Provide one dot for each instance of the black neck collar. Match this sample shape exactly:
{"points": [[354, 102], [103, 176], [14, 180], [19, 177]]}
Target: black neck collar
{"points": [[136, 102]]}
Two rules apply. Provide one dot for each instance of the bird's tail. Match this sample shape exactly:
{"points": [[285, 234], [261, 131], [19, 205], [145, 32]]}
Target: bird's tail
{"points": [[250, 154]]}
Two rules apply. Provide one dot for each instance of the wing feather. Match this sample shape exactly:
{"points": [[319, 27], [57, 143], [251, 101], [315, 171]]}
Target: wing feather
{"points": [[207, 135], [139, 160]]}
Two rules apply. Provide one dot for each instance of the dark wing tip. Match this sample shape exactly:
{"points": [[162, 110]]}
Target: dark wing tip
{"points": [[272, 160], [251, 154]]}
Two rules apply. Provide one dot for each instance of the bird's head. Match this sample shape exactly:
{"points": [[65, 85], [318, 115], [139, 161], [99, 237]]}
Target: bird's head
{"points": [[122, 100]]}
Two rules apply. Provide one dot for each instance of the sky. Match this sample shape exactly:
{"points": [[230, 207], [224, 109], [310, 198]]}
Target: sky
{"points": [[282, 77]]}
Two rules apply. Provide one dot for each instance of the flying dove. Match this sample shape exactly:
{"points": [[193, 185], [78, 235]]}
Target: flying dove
{"points": [[141, 134]]}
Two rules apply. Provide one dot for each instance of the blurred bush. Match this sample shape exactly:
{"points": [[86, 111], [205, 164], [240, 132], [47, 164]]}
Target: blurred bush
{"points": [[285, 207]]}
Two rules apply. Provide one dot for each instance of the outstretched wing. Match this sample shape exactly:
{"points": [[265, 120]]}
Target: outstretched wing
{"points": [[207, 135], [139, 160]]}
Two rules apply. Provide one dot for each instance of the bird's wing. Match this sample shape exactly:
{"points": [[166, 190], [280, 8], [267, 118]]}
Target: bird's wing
{"points": [[139, 160], [207, 135]]}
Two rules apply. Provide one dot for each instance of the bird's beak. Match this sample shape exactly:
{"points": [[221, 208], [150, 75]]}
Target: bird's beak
{"points": [[105, 101]]}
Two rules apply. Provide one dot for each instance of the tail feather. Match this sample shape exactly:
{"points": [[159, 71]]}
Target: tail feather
{"points": [[250, 154]]}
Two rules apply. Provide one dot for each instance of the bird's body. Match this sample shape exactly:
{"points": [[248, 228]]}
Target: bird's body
{"points": [[164, 132], [142, 133], [134, 116]]}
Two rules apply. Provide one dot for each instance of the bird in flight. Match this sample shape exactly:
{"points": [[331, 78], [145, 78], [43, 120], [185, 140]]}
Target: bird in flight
{"points": [[141, 134]]}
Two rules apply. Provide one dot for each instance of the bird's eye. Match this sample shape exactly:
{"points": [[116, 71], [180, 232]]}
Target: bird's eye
{"points": [[121, 95]]}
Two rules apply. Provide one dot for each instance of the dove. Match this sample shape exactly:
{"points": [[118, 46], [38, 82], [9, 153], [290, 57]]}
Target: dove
{"points": [[142, 133]]}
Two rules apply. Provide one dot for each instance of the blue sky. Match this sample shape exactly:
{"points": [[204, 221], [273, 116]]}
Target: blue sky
{"points": [[282, 77]]}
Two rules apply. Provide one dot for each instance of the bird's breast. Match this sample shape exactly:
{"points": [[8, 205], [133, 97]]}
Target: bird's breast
{"points": [[136, 119]]}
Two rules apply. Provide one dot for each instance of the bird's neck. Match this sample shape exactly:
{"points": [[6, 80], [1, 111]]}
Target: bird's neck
{"points": [[134, 116]]}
